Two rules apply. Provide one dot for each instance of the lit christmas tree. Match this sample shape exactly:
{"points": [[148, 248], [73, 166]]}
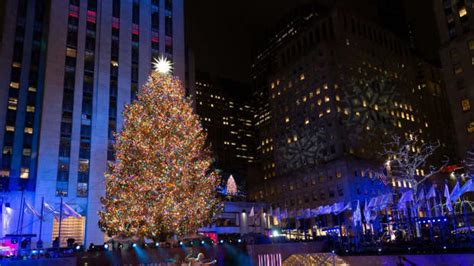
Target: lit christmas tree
{"points": [[231, 187], [160, 184]]}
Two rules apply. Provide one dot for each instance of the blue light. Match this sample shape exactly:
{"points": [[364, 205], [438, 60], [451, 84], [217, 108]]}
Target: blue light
{"points": [[439, 220], [34, 251], [202, 242], [240, 240], [445, 219], [429, 221], [106, 246], [444, 247], [78, 247], [221, 241], [380, 250], [157, 244], [180, 243], [134, 244]]}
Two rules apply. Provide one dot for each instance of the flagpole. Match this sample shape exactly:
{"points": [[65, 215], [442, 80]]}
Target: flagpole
{"points": [[41, 221], [60, 221], [19, 213]]}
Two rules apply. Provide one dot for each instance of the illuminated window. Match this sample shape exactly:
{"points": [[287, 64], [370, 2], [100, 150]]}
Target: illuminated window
{"points": [[4, 173], [7, 150], [26, 152], [30, 109], [306, 121], [10, 128], [470, 129], [470, 43], [24, 173], [287, 119], [302, 77], [325, 86], [466, 105], [318, 91], [326, 99], [458, 69], [71, 52], [462, 12], [32, 89], [15, 85], [338, 98], [295, 138]]}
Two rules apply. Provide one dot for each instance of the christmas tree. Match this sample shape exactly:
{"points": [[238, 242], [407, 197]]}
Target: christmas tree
{"points": [[231, 187], [161, 183]]}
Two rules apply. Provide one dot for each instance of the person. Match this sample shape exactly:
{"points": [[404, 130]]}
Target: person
{"points": [[56, 242]]}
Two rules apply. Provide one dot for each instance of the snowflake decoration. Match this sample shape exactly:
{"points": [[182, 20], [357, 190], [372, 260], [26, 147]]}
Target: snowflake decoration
{"points": [[307, 149], [367, 106]]}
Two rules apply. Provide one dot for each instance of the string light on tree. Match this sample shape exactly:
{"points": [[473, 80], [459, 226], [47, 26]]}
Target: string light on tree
{"points": [[161, 183]]}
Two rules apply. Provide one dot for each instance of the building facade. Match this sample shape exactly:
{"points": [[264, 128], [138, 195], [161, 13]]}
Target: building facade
{"points": [[228, 122], [339, 87], [67, 70], [455, 22]]}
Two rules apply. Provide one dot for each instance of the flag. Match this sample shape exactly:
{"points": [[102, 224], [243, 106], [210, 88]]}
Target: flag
{"points": [[271, 211], [366, 212], [456, 193], [30, 210], [337, 207], [50, 209], [252, 212], [326, 209], [68, 211], [421, 195], [406, 196], [347, 207], [278, 214], [372, 203], [307, 213], [448, 198], [468, 186], [357, 217], [431, 193]]}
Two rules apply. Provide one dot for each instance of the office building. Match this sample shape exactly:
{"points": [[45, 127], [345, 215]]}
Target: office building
{"points": [[67, 68], [338, 86], [455, 22], [228, 121]]}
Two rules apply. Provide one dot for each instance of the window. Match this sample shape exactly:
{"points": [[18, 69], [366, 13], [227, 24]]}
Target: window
{"points": [[24, 173], [458, 69], [466, 105], [470, 129], [462, 12], [470, 44]]}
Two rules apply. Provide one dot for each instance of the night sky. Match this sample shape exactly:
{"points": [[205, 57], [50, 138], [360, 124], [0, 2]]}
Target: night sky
{"points": [[222, 34]]}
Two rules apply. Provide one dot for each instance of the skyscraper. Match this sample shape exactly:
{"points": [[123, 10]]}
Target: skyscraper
{"points": [[228, 121], [455, 22], [338, 85], [67, 70]]}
